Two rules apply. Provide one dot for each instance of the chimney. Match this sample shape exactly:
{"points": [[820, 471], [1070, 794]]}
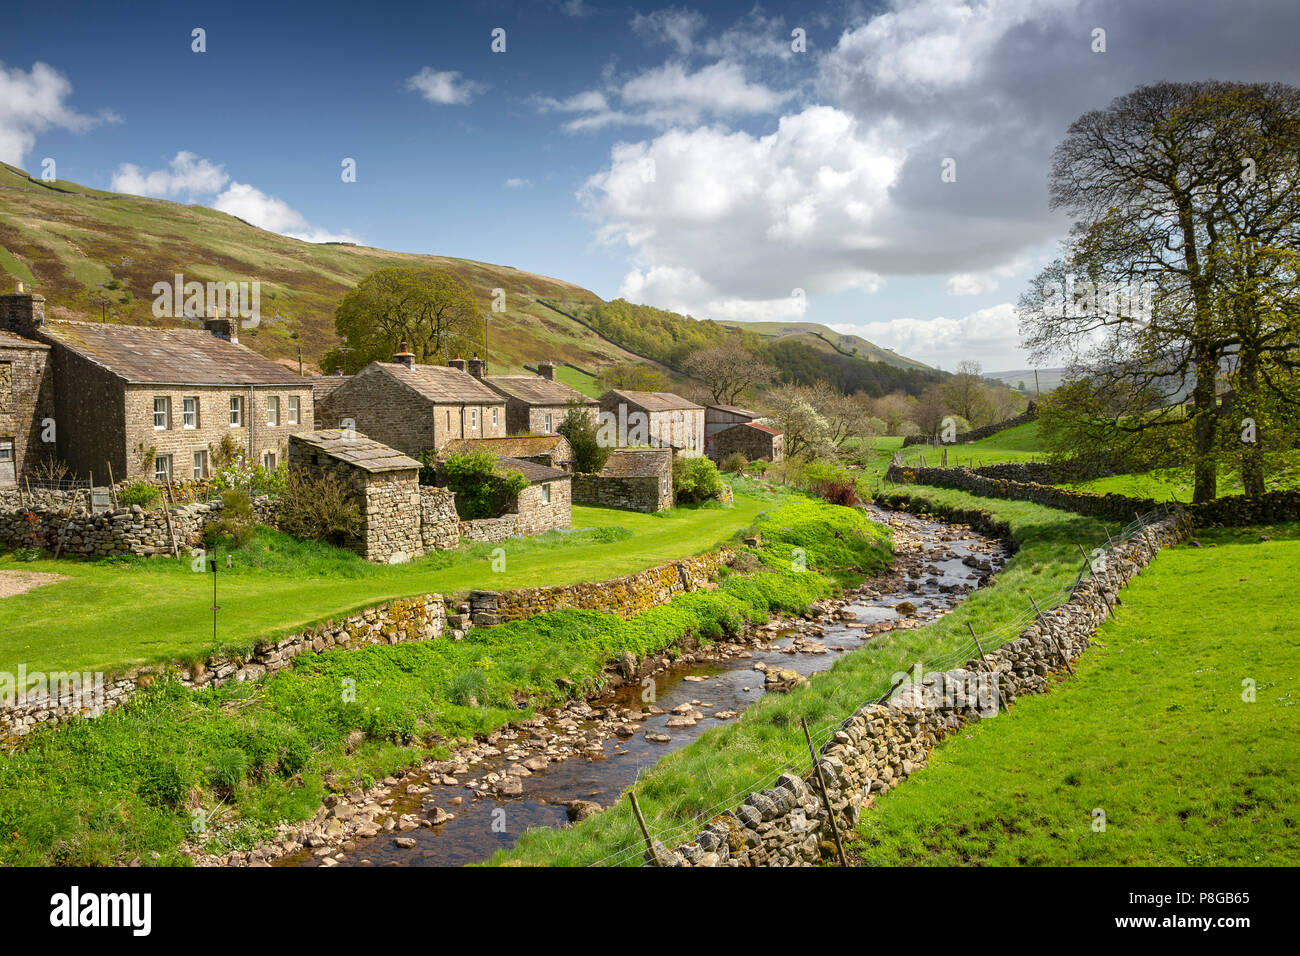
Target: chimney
{"points": [[222, 328], [477, 367], [405, 357], [457, 363], [546, 370], [22, 312]]}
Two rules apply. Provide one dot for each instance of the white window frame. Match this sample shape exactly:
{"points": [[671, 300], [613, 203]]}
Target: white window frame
{"points": [[546, 492], [162, 468], [200, 460], [162, 405], [273, 411], [236, 411], [663, 484], [548, 423], [494, 415], [295, 410], [190, 418], [473, 418], [269, 460]]}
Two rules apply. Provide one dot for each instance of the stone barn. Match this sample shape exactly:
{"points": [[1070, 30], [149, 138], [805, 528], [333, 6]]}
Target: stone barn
{"points": [[750, 439], [26, 401], [384, 482], [634, 479], [720, 417], [658, 419]]}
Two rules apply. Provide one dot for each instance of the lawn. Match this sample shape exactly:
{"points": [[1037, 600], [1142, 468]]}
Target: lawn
{"points": [[1170, 484], [681, 792], [110, 615], [1154, 730]]}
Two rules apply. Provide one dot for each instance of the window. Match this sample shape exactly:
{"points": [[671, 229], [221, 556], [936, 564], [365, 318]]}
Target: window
{"points": [[162, 468], [663, 484], [494, 415], [449, 419], [293, 409], [473, 418], [273, 410], [236, 411], [8, 473], [268, 461], [200, 464], [548, 423], [162, 412], [190, 412], [546, 494]]}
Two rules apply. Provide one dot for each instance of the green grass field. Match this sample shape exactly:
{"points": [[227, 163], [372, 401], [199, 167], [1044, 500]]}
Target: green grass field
{"points": [[720, 768], [109, 615], [1016, 444], [1152, 729]]}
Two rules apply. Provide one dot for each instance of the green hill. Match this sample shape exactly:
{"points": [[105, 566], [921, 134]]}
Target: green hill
{"points": [[827, 339]]}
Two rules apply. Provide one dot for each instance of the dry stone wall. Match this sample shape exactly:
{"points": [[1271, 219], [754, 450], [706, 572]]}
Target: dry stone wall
{"points": [[881, 744], [975, 434]]}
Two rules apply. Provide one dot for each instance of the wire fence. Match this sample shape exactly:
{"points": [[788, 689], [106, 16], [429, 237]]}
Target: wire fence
{"points": [[673, 835]]}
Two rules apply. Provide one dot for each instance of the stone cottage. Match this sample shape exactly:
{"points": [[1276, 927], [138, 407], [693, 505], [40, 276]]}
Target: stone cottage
{"points": [[750, 439], [551, 450], [384, 483], [547, 501], [140, 402], [537, 404], [26, 402], [660, 419], [415, 408], [634, 479]]}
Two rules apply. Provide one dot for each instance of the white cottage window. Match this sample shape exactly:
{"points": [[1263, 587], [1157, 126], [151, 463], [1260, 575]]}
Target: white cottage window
{"points": [[161, 412]]}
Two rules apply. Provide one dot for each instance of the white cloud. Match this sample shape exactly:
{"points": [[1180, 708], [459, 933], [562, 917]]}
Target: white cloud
{"points": [[274, 215], [445, 87], [988, 336], [970, 283], [676, 27], [34, 101], [186, 173], [514, 182]]}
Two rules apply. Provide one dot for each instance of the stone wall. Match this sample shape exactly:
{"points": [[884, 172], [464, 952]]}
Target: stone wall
{"points": [[439, 523], [536, 516], [1030, 414], [880, 744], [753, 443], [637, 493]]}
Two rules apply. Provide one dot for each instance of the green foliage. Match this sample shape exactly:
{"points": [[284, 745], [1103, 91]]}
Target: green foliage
{"points": [[142, 493], [579, 429], [319, 507], [695, 479], [236, 524], [482, 488], [733, 463]]}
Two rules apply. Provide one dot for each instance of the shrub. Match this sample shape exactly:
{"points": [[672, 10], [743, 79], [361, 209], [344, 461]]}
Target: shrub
{"points": [[140, 493], [579, 429], [319, 508], [733, 463], [235, 526], [695, 479], [481, 488]]}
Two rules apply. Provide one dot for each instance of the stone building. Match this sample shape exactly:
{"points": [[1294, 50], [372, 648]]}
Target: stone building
{"points": [[547, 501], [26, 401], [659, 419], [384, 483], [750, 439], [415, 408], [634, 479], [551, 450], [140, 402], [719, 417], [537, 404]]}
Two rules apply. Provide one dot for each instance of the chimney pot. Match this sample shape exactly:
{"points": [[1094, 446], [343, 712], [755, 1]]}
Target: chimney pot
{"points": [[405, 357]]}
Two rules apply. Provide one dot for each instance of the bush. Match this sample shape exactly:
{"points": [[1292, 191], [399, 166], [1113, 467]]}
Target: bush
{"points": [[695, 479], [140, 493], [579, 429], [319, 508], [481, 488], [236, 524], [734, 463]]}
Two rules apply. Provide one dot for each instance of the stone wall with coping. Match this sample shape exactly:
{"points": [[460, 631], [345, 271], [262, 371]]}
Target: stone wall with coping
{"points": [[638, 493], [880, 744]]}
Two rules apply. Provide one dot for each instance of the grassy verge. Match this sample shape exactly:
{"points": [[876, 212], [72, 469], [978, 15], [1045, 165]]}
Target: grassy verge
{"points": [[248, 756], [113, 614], [1152, 729], [725, 764]]}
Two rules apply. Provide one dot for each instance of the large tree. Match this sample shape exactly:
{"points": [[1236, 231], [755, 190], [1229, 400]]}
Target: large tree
{"points": [[728, 370], [432, 311]]}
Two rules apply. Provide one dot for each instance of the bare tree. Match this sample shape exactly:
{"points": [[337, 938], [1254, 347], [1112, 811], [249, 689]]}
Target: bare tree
{"points": [[728, 370]]}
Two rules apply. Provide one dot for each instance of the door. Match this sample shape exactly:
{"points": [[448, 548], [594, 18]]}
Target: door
{"points": [[8, 476]]}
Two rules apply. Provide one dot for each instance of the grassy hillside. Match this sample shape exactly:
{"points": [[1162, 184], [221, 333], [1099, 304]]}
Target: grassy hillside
{"points": [[826, 339], [76, 245]]}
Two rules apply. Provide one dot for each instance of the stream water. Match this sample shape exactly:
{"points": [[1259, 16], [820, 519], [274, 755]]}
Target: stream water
{"points": [[594, 751]]}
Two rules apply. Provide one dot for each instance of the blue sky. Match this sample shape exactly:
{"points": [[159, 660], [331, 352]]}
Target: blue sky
{"points": [[685, 156]]}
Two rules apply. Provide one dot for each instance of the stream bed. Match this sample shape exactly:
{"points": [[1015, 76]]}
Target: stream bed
{"points": [[565, 764]]}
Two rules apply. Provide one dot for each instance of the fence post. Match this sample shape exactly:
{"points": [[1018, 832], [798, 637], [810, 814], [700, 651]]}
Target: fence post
{"points": [[1001, 697], [645, 832], [826, 797], [1055, 640]]}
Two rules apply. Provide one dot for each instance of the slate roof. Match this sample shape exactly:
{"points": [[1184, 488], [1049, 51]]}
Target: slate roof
{"points": [[754, 425], [357, 450], [511, 446], [536, 390], [322, 385], [735, 410], [650, 401], [149, 356], [637, 463], [534, 472], [442, 384], [10, 341]]}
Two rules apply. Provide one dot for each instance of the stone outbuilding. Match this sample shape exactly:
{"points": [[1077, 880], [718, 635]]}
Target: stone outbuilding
{"points": [[719, 417], [26, 402], [551, 450], [384, 483], [415, 408], [634, 479], [537, 404], [659, 419], [750, 439]]}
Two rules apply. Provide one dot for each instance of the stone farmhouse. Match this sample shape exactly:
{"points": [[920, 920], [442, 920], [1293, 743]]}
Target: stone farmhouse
{"points": [[536, 404], [634, 479], [657, 419], [414, 408], [26, 400], [138, 402], [750, 439], [553, 451]]}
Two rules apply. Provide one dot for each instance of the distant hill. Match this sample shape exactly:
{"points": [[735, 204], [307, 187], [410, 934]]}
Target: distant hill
{"points": [[1048, 378], [825, 338]]}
